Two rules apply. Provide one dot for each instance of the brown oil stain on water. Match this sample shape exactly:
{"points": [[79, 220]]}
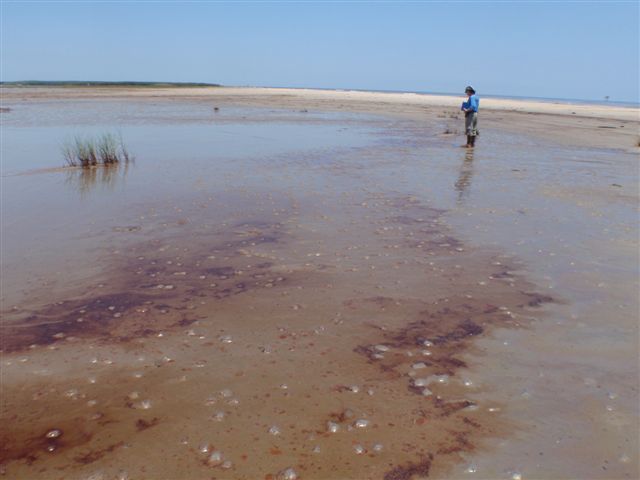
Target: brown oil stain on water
{"points": [[254, 356]]}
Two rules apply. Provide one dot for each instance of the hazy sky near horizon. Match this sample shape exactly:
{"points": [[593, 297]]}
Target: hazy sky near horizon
{"points": [[583, 50]]}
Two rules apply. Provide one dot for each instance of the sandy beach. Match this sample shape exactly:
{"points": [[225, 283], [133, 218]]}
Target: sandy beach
{"points": [[316, 284]]}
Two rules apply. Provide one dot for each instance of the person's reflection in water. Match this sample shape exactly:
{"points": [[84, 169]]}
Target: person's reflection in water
{"points": [[87, 179], [464, 177]]}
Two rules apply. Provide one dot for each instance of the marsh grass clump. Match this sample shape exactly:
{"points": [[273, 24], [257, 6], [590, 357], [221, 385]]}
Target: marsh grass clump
{"points": [[106, 149]]}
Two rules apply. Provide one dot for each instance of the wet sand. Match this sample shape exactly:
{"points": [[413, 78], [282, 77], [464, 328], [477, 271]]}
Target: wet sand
{"points": [[370, 302]]}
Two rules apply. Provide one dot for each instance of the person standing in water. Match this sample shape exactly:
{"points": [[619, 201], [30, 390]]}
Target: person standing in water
{"points": [[470, 109]]}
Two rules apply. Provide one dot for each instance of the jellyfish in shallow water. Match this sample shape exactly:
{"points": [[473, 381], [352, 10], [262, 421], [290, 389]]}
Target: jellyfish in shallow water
{"points": [[362, 423], [421, 382], [144, 405], [218, 416], [287, 474], [333, 427], [55, 433], [215, 459]]}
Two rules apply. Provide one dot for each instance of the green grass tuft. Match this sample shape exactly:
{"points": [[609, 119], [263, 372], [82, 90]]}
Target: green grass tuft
{"points": [[106, 149]]}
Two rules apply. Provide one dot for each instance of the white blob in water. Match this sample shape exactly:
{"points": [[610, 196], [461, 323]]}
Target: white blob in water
{"points": [[471, 469], [332, 427], [377, 447], [274, 430], [362, 423], [418, 365], [204, 448], [122, 475], [381, 348], [96, 476], [287, 474], [215, 459], [226, 393], [354, 388], [218, 416], [441, 378], [227, 464], [73, 393], [316, 449], [427, 343], [143, 405], [359, 449], [55, 433], [226, 339], [421, 382]]}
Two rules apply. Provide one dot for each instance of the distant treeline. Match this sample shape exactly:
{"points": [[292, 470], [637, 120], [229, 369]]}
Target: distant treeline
{"points": [[78, 83]]}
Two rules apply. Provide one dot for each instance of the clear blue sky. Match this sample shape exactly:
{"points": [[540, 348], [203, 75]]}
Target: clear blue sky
{"points": [[564, 49]]}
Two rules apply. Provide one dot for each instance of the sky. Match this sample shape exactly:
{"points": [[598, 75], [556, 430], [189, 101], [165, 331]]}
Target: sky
{"points": [[574, 50]]}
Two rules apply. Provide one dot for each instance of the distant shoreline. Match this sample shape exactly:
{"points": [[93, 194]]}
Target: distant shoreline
{"points": [[563, 101], [89, 84]]}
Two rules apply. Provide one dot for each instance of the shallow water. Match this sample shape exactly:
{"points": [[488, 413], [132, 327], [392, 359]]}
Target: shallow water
{"points": [[343, 295]]}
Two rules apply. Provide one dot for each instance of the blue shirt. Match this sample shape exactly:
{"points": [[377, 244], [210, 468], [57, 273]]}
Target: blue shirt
{"points": [[472, 102]]}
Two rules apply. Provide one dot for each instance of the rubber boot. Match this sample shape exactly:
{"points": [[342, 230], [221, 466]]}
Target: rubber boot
{"points": [[472, 141]]}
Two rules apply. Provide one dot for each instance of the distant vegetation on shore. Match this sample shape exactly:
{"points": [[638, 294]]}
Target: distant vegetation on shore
{"points": [[79, 83]]}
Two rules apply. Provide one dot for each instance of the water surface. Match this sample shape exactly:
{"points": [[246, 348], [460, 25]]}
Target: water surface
{"points": [[340, 295]]}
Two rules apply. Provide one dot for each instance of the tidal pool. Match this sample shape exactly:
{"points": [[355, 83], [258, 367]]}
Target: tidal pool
{"points": [[297, 294]]}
